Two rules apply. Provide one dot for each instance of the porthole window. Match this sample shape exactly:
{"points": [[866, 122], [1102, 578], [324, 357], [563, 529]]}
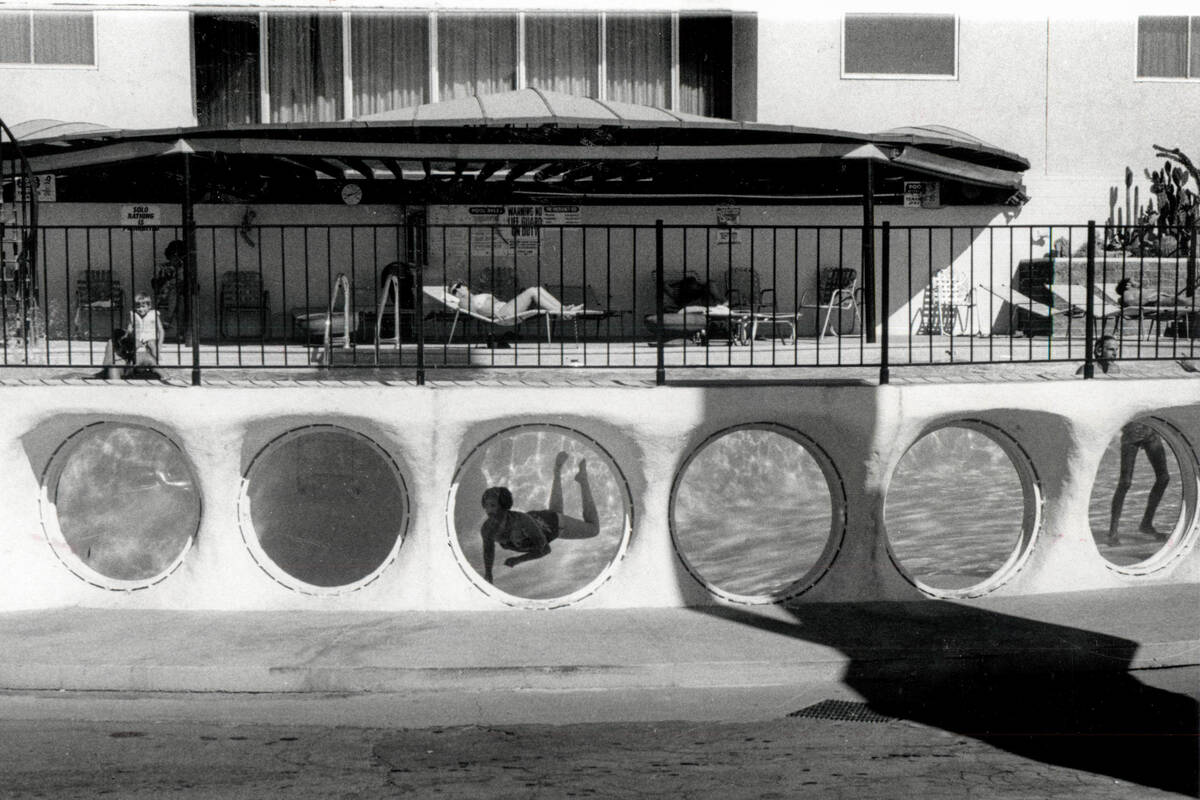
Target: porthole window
{"points": [[1143, 500], [557, 519], [961, 510], [121, 505], [755, 512], [323, 509]]}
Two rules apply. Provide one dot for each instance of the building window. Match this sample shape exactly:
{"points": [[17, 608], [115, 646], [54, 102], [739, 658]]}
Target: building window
{"points": [[304, 67], [227, 78], [562, 53], [900, 46], [638, 59], [1168, 47], [477, 54], [389, 57], [706, 66], [50, 38]]}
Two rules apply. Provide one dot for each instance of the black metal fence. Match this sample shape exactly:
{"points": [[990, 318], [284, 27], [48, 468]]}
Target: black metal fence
{"points": [[653, 296]]}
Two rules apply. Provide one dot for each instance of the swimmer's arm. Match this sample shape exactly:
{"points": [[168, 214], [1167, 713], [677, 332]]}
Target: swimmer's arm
{"points": [[512, 562], [541, 546], [489, 549]]}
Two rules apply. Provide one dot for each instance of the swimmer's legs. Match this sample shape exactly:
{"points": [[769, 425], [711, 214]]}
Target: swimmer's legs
{"points": [[589, 526]]}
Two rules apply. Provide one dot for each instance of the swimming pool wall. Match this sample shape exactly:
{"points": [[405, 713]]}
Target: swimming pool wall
{"points": [[1059, 430]]}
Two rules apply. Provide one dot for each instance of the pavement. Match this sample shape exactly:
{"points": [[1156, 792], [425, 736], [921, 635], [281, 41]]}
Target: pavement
{"points": [[710, 648]]}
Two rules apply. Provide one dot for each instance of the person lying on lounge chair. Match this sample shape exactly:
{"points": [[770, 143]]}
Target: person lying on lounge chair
{"points": [[1130, 293], [487, 305]]}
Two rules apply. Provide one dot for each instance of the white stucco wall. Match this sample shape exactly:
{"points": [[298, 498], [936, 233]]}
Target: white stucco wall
{"points": [[1059, 90], [1060, 429], [142, 77]]}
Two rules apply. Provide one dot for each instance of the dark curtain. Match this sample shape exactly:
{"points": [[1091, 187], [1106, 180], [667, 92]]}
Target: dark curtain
{"points": [[227, 86]]}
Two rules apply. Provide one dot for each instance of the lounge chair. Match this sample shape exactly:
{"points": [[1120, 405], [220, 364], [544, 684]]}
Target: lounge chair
{"points": [[451, 302], [1153, 315], [696, 315], [1041, 312], [1105, 309]]}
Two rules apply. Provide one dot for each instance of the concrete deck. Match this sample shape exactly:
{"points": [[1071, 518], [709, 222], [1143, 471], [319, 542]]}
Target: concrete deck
{"points": [[669, 649]]}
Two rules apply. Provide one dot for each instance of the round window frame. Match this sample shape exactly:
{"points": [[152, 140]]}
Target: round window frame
{"points": [[837, 526], [1032, 516], [56, 539], [516, 601], [1184, 533], [263, 559]]}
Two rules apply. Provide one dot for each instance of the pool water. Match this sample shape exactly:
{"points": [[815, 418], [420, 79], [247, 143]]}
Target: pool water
{"points": [[752, 512], [126, 502], [326, 506]]}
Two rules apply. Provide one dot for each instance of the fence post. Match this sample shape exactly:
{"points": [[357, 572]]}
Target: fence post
{"points": [[660, 373], [1089, 322], [190, 283], [1191, 266], [885, 252], [418, 274]]}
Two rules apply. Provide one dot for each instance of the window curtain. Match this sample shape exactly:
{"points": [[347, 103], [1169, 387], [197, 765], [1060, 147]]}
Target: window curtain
{"points": [[562, 53], [389, 61], [639, 59], [1194, 62], [304, 67], [1162, 47], [15, 38], [61, 37], [227, 89], [477, 54], [706, 66]]}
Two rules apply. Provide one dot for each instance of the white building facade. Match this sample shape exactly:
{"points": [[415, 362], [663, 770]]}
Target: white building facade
{"points": [[1081, 99]]}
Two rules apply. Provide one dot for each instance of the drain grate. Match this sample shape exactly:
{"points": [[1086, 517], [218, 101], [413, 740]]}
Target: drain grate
{"points": [[842, 709]]}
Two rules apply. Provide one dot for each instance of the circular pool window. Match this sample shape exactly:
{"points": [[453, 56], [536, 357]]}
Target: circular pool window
{"points": [[323, 509], [753, 512], [1143, 499], [567, 521], [121, 506], [961, 509]]}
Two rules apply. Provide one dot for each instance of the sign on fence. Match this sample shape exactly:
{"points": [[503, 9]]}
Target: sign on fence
{"points": [[140, 217]]}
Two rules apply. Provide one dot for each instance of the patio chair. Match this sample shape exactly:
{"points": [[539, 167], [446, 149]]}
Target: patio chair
{"points": [[946, 306], [836, 300], [99, 305], [244, 311]]}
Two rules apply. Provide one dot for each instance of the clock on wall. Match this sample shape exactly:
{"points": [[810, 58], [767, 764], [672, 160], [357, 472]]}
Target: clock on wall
{"points": [[352, 194]]}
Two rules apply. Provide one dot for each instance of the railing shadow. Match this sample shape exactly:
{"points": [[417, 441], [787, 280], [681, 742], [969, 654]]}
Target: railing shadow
{"points": [[1047, 692]]}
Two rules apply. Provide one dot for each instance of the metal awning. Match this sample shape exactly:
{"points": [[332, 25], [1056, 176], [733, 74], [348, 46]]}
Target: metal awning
{"points": [[560, 142]]}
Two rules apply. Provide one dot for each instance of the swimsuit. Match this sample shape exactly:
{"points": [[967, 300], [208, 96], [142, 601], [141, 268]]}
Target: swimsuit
{"points": [[513, 538]]}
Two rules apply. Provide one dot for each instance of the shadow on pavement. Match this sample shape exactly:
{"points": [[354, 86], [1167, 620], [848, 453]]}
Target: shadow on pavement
{"points": [[1048, 692]]}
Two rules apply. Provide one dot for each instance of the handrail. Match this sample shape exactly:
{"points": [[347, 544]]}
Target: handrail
{"points": [[390, 286], [340, 284]]}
